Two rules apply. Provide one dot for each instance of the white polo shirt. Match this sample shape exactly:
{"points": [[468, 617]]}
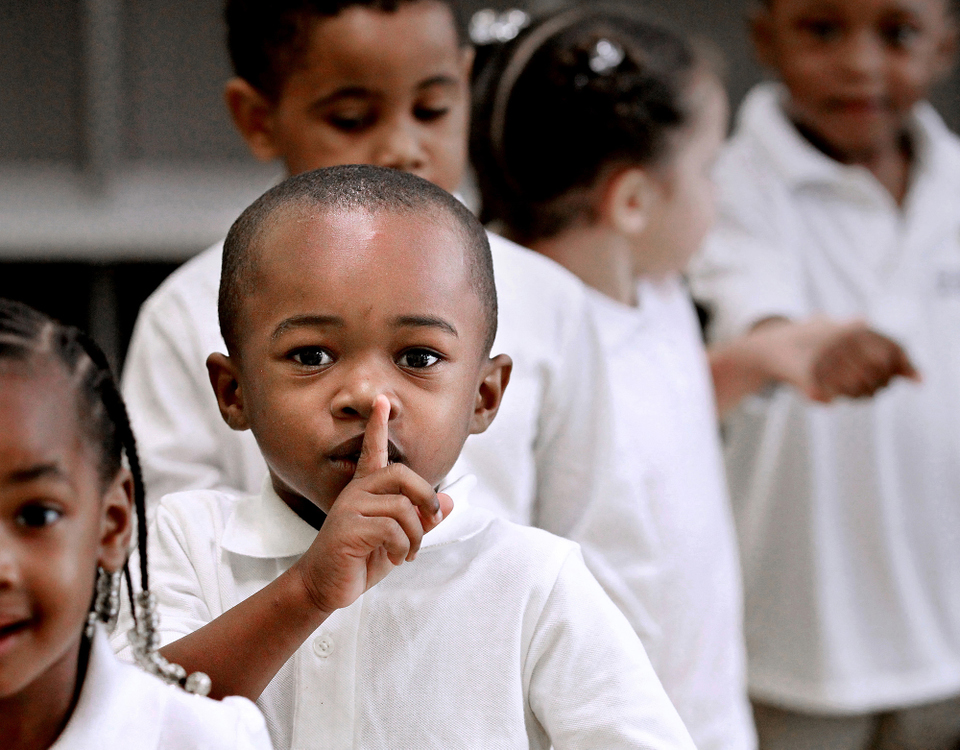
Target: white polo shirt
{"points": [[121, 706], [544, 457], [670, 561], [849, 514], [495, 636]]}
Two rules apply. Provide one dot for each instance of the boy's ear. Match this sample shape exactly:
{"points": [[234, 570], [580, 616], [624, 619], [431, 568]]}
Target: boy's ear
{"points": [[116, 522], [629, 200], [761, 34], [496, 375], [252, 114], [226, 385]]}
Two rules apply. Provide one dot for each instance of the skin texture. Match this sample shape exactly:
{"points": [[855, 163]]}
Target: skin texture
{"points": [[362, 345], [57, 523], [685, 204], [854, 70], [358, 97]]}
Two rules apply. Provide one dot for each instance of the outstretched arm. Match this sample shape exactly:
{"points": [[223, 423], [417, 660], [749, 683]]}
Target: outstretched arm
{"points": [[375, 524], [821, 358]]}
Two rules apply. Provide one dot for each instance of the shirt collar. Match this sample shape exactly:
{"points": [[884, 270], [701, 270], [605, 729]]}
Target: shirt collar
{"points": [[264, 526], [801, 164]]}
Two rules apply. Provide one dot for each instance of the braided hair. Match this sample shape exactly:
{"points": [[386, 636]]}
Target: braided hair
{"points": [[27, 334], [572, 95]]}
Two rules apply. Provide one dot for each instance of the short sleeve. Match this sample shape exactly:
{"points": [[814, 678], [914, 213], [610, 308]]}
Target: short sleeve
{"points": [[591, 684]]}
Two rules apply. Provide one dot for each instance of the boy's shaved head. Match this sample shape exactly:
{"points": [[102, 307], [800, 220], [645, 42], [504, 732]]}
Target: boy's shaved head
{"points": [[267, 39], [349, 188]]}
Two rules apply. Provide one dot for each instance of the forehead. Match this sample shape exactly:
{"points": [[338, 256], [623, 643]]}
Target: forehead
{"points": [[394, 262], [366, 47], [38, 416]]}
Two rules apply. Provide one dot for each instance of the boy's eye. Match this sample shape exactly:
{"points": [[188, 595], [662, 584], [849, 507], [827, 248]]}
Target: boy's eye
{"points": [[37, 516], [418, 359], [312, 356]]}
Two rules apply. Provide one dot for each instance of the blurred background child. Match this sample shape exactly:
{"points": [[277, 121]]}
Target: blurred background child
{"points": [[594, 140], [840, 194], [66, 520]]}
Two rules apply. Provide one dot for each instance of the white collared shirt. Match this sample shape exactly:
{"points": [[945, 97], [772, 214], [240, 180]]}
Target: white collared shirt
{"points": [[496, 636], [543, 459], [848, 515], [670, 562], [121, 706]]}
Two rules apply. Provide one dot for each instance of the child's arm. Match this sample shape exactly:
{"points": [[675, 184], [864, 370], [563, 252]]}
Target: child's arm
{"points": [[821, 358], [375, 524]]}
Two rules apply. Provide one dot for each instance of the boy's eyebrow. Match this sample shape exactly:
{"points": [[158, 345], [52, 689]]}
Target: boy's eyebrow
{"points": [[362, 92], [306, 321], [425, 321]]}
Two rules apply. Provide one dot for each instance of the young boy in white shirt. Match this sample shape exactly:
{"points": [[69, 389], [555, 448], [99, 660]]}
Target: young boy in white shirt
{"points": [[358, 308], [839, 195], [320, 84]]}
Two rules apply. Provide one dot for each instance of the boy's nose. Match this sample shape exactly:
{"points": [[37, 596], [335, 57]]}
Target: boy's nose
{"points": [[355, 399], [402, 147], [862, 54]]}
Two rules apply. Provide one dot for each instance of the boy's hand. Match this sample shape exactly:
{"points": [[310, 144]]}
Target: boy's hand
{"points": [[376, 523], [858, 363], [825, 359]]}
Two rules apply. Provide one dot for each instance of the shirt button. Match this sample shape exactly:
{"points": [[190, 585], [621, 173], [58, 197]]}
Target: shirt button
{"points": [[323, 646]]}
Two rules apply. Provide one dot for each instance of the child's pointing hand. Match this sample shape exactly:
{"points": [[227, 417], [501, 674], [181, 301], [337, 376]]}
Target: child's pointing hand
{"points": [[376, 523]]}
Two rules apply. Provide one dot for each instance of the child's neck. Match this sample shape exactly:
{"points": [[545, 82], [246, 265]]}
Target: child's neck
{"points": [[601, 259], [35, 717], [889, 161]]}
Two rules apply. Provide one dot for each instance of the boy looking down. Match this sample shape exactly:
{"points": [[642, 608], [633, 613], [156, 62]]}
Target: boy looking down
{"points": [[358, 308], [386, 83]]}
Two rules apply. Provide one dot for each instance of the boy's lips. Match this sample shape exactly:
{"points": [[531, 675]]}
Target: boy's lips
{"points": [[348, 452]]}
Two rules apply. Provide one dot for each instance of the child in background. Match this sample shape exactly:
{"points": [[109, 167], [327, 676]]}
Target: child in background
{"points": [[593, 144], [66, 519], [323, 83], [358, 308], [840, 194]]}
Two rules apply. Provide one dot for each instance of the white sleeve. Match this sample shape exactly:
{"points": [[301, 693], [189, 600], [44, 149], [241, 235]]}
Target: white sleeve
{"points": [[183, 441], [748, 269], [575, 455], [183, 581], [591, 684]]}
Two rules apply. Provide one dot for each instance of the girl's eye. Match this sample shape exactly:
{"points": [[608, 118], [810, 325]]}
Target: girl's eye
{"points": [[312, 356], [429, 114], [37, 516], [418, 359]]}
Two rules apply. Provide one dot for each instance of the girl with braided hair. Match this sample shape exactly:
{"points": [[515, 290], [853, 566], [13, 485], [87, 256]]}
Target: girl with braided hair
{"points": [[67, 510]]}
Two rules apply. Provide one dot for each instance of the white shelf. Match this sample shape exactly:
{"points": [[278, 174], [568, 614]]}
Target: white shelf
{"points": [[147, 212]]}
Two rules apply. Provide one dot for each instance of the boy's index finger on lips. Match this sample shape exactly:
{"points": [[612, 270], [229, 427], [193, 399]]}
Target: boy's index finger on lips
{"points": [[374, 450]]}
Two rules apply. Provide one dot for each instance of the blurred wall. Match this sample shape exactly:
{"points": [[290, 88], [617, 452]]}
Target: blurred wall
{"points": [[117, 157]]}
